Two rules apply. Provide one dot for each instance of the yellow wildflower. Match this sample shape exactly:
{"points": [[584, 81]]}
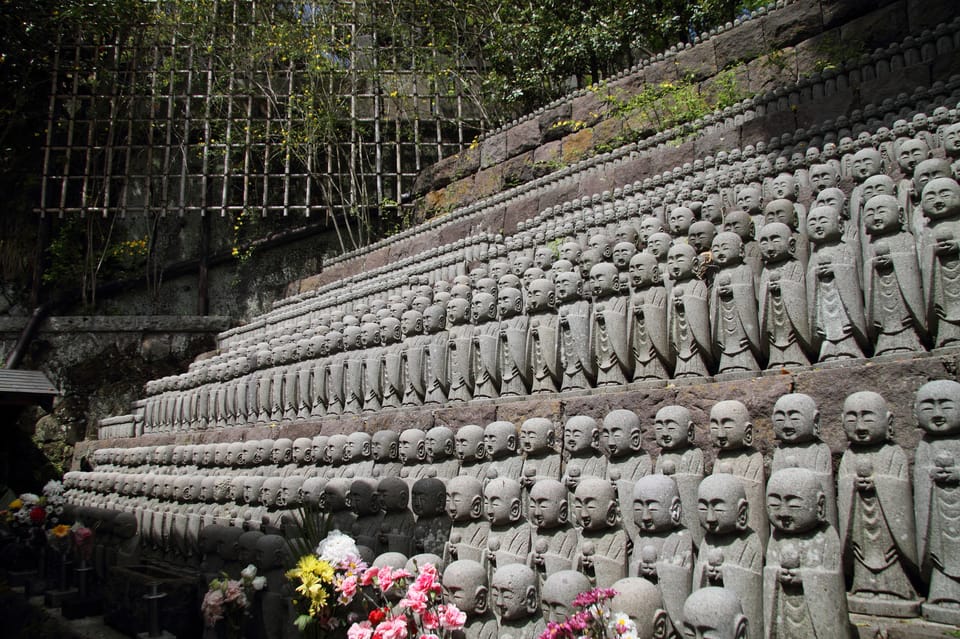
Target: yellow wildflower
{"points": [[61, 531], [16, 504]]}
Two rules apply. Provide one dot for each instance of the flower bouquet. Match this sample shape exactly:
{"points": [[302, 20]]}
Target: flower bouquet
{"points": [[327, 580], [228, 599], [420, 613], [592, 619]]}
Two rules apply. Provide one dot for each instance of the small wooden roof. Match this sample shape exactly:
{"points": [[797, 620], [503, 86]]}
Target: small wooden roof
{"points": [[26, 388]]}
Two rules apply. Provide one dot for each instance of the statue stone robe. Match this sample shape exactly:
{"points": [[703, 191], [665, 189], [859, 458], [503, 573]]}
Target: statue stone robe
{"points": [[372, 379], [336, 369], [578, 372], [877, 529], [937, 508], [784, 323], [610, 340], [291, 384], [941, 282], [514, 545], [431, 534], [459, 364], [468, 540], [478, 627], [353, 381], [436, 378], [607, 563], [815, 457], [672, 567], [816, 608], [414, 367], [527, 628], [734, 322], [486, 360], [392, 376], [741, 570], [687, 473], [278, 374], [543, 466], [514, 356], [894, 295], [649, 344], [545, 362], [688, 318], [835, 302], [553, 550]]}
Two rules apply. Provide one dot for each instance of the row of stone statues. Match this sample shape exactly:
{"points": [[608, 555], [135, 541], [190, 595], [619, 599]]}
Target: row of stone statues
{"points": [[881, 534]]}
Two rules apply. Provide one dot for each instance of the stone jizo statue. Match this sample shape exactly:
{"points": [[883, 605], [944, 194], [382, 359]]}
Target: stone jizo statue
{"points": [[716, 613], [602, 554]]}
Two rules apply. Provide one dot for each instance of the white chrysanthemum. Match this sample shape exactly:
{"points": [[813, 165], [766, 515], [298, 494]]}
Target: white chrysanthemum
{"points": [[29, 499], [337, 547], [621, 624], [259, 583], [53, 487], [249, 572]]}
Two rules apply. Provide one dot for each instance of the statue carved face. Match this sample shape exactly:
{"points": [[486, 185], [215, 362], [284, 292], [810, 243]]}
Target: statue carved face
{"points": [[500, 439], [730, 425], [427, 497], [509, 302], [648, 227], [384, 446], [622, 252], [580, 433], [937, 407], [568, 286], [777, 243], [439, 443], [796, 419], [795, 500], [501, 501], [541, 296], [457, 311], [680, 220], [543, 258], [727, 249], [595, 503], [681, 262], [866, 162], [881, 215], [334, 451], [866, 419], [464, 500], [620, 434], [941, 199], [548, 507], [559, 591], [468, 443], [571, 251], [413, 447], [536, 436], [673, 428], [951, 139], [358, 447], [722, 504], [656, 504], [912, 152], [513, 592], [604, 279], [780, 211], [644, 271], [466, 584], [601, 244], [824, 176], [700, 236]]}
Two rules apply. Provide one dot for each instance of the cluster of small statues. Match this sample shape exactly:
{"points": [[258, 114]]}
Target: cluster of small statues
{"points": [[844, 247], [518, 509]]}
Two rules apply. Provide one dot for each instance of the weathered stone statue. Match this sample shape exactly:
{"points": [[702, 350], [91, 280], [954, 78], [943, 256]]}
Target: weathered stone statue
{"points": [[892, 284], [362, 500], [540, 457], [385, 450], [469, 527], [432, 530], [732, 432], [641, 601], [513, 591], [413, 359], [718, 613], [937, 497], [465, 581], [393, 495], [796, 426], [514, 349], [471, 451], [460, 356], [389, 383], [412, 453], [876, 506], [658, 245], [545, 364], [334, 503], [555, 540], [662, 548], [609, 336], [581, 438], [730, 545], [357, 455], [486, 346], [602, 553], [335, 372], [508, 541], [940, 259], [333, 455], [679, 221], [621, 440], [740, 223], [680, 458], [557, 593], [436, 380], [442, 462], [272, 560], [688, 315], [354, 366], [649, 344], [500, 440], [784, 323], [574, 325], [734, 323], [803, 589]]}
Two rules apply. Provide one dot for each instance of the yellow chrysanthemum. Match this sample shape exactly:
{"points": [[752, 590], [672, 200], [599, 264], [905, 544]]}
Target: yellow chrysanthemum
{"points": [[61, 531], [16, 504]]}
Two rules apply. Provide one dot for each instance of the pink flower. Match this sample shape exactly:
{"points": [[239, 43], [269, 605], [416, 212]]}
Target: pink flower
{"points": [[368, 575], [235, 593], [430, 620], [362, 630], [212, 607], [415, 600], [451, 617], [428, 636], [348, 587], [387, 576], [395, 628], [591, 597], [428, 580]]}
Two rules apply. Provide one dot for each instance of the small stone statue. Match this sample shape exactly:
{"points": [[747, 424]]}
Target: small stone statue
{"points": [[784, 323], [730, 549], [272, 560], [500, 440], [734, 323], [610, 344], [357, 455], [688, 315], [514, 349], [412, 453], [513, 591], [796, 426], [602, 554], [732, 432], [385, 451], [389, 386], [581, 438], [649, 344], [436, 379], [574, 326], [621, 440], [486, 346], [469, 528], [459, 362], [740, 223], [875, 504], [374, 374], [662, 548], [680, 458], [716, 613], [540, 459], [393, 495], [941, 259], [362, 500], [432, 529], [413, 359], [557, 593], [545, 364], [508, 541], [465, 582], [333, 501], [554, 539], [353, 369], [642, 602], [803, 589], [937, 497], [471, 451], [892, 285]]}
